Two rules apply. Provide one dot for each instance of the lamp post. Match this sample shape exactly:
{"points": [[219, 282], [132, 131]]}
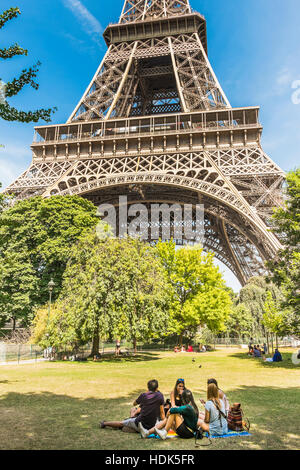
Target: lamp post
{"points": [[51, 285]]}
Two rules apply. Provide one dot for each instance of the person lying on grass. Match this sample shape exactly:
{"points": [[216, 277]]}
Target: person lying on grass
{"points": [[152, 408], [182, 419], [215, 421]]}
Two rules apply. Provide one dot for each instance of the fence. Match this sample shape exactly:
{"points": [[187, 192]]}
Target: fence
{"points": [[24, 352], [19, 352]]}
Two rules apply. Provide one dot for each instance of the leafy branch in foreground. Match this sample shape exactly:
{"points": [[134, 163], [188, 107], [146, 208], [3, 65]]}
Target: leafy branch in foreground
{"points": [[12, 88]]}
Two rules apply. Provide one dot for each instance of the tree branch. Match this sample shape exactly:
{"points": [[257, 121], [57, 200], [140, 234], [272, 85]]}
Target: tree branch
{"points": [[9, 15], [12, 51], [12, 114], [26, 78]]}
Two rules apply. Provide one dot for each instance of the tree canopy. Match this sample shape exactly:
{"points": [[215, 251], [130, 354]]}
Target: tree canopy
{"points": [[113, 288], [251, 300], [200, 296], [36, 236], [285, 268]]}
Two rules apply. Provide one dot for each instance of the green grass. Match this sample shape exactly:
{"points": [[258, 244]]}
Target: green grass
{"points": [[59, 405]]}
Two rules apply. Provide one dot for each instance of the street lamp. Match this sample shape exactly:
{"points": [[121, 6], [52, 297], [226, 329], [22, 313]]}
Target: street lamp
{"points": [[51, 285]]}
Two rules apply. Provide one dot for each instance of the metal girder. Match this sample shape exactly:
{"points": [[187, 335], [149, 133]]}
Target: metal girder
{"points": [[137, 10], [155, 124]]}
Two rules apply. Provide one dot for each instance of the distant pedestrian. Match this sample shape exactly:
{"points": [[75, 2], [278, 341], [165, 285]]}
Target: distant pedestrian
{"points": [[118, 347]]}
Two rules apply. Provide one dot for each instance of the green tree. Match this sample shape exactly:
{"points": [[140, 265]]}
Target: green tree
{"points": [[38, 234], [240, 322], [27, 77], [200, 297], [112, 288], [273, 317], [2, 200], [253, 297], [5, 200], [18, 284], [285, 268]]}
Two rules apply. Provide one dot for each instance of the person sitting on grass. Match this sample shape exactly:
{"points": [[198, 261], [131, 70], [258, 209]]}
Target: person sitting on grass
{"points": [[257, 351], [222, 396], [276, 358], [182, 419], [214, 422], [175, 399], [176, 394], [152, 408]]}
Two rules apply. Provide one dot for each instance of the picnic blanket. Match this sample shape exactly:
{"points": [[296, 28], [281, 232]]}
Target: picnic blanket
{"points": [[172, 434], [231, 434]]}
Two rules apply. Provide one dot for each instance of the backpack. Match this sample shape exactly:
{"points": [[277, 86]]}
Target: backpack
{"points": [[235, 419]]}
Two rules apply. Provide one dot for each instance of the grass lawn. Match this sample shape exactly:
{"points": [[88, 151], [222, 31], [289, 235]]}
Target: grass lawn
{"points": [[59, 405]]}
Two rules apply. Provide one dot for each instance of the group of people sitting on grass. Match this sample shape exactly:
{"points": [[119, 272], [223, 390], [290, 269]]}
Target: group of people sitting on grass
{"points": [[189, 348], [257, 351], [153, 415]]}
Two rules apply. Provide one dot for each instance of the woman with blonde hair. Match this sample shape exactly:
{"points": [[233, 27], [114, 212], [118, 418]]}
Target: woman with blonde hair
{"points": [[215, 422]]}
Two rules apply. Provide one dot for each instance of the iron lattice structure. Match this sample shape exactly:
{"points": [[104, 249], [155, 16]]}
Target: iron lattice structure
{"points": [[155, 124]]}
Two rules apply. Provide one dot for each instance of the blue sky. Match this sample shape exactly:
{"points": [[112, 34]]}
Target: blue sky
{"points": [[253, 46]]}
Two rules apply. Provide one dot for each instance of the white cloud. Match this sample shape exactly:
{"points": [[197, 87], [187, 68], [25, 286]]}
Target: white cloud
{"points": [[284, 77], [89, 23]]}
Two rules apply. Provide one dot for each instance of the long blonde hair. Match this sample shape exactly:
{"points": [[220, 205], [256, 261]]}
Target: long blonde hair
{"points": [[213, 393]]}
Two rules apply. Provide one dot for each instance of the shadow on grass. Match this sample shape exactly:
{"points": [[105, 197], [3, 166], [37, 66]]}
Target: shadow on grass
{"points": [[49, 421], [111, 358], [273, 413], [285, 364], [139, 357]]}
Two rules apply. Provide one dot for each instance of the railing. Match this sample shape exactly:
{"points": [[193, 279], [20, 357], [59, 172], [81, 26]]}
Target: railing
{"points": [[110, 133], [19, 353]]}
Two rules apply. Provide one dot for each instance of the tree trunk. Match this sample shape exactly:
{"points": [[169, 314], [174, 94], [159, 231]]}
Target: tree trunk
{"points": [[277, 346], [268, 342], [134, 346], [96, 343], [14, 324], [272, 343]]}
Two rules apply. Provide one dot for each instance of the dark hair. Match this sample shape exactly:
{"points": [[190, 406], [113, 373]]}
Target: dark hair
{"points": [[152, 385], [178, 381], [212, 381], [187, 398]]}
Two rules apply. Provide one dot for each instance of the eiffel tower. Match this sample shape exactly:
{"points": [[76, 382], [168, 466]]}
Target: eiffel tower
{"points": [[154, 124]]}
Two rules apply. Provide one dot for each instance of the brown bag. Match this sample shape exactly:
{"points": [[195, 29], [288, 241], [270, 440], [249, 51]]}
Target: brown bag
{"points": [[235, 419]]}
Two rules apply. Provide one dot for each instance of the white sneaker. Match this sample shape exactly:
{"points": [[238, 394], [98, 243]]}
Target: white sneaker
{"points": [[162, 433], [143, 431]]}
